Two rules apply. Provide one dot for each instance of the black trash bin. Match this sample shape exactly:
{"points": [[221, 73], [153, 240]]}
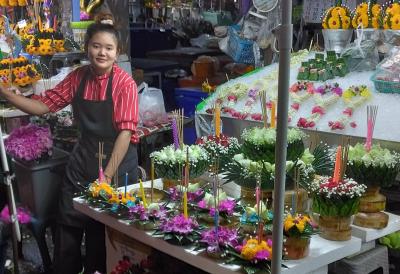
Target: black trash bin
{"points": [[39, 187]]}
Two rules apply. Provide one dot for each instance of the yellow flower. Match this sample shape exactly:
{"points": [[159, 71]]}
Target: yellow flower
{"points": [[363, 20], [393, 9], [345, 22], [362, 8], [114, 199], [339, 11], [365, 92], [395, 20], [376, 10], [334, 23], [300, 226], [288, 222], [250, 249], [354, 22], [375, 22]]}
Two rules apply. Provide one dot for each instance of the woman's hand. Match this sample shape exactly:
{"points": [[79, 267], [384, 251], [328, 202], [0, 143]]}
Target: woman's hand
{"points": [[27, 105]]}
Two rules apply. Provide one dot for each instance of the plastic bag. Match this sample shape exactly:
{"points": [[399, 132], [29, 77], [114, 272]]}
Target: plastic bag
{"points": [[361, 55], [151, 106]]}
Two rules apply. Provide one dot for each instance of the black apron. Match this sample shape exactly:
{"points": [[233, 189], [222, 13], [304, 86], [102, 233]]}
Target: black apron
{"points": [[95, 121]]}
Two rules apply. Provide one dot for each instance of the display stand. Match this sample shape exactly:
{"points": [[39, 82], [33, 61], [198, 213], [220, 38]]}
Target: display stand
{"points": [[16, 233], [322, 252]]}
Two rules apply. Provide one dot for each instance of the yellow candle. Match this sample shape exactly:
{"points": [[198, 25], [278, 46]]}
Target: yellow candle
{"points": [[40, 23], [217, 118], [336, 172], [142, 194], [152, 178], [273, 114], [185, 210]]}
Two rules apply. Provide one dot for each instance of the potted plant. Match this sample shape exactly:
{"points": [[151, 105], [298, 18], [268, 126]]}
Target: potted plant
{"points": [[297, 230]]}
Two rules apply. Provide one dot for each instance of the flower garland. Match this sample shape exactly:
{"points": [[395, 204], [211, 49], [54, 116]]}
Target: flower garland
{"points": [[324, 96], [299, 92], [353, 97]]}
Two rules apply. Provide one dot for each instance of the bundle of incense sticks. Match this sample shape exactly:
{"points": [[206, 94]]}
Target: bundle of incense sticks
{"points": [[372, 112], [177, 127], [101, 172], [344, 158], [263, 101]]}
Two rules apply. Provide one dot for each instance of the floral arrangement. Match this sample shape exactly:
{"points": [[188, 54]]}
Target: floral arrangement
{"points": [[147, 217], [368, 15], [18, 71], [194, 192], [298, 225], [300, 92], [168, 161], [353, 97], [250, 218], [253, 255], [324, 96], [377, 167], [247, 172], [217, 239], [179, 230], [332, 198], [222, 147], [23, 215], [337, 17], [391, 19], [29, 143], [259, 144], [225, 205], [44, 42]]}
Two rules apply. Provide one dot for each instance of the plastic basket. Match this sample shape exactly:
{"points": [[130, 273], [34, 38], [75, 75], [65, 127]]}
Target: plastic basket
{"points": [[384, 86], [241, 50]]}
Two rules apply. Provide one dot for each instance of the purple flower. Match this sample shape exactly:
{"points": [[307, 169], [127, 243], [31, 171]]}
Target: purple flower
{"points": [[202, 204], [262, 255], [252, 93], [227, 206], [179, 224], [176, 195], [29, 142], [224, 236]]}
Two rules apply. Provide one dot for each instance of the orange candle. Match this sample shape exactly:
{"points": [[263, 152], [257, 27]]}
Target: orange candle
{"points": [[217, 118], [336, 172], [273, 115]]}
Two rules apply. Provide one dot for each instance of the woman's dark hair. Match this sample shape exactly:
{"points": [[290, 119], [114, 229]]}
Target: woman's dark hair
{"points": [[99, 27]]}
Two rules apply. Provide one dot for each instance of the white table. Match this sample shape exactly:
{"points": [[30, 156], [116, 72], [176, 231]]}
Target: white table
{"points": [[322, 252]]}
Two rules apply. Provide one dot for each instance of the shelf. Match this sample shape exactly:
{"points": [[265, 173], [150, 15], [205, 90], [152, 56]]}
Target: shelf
{"points": [[370, 234], [322, 252]]}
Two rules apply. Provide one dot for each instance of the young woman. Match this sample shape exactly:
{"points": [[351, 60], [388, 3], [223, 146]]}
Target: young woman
{"points": [[105, 105]]}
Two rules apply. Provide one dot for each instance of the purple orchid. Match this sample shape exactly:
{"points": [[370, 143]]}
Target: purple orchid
{"points": [[179, 224], [262, 255], [225, 236]]}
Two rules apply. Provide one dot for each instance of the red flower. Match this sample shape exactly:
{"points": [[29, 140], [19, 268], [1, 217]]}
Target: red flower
{"points": [[353, 124], [295, 106], [348, 112], [232, 98], [256, 116], [318, 109]]}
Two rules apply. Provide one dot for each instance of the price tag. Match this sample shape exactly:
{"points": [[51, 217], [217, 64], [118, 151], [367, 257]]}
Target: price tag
{"points": [[313, 10]]}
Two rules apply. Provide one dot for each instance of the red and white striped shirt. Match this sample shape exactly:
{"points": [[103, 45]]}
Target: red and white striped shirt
{"points": [[124, 95]]}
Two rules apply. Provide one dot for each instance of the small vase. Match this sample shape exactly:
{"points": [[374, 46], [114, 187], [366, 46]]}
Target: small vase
{"points": [[296, 248], [335, 228], [337, 39]]}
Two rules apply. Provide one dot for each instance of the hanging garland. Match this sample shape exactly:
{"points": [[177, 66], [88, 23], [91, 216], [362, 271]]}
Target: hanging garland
{"points": [[353, 98], [324, 96], [299, 92]]}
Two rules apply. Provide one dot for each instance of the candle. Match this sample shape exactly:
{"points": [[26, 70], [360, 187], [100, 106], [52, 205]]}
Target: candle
{"points": [[185, 210], [142, 194], [126, 182], [152, 179], [336, 172], [39, 23], [273, 114], [217, 118], [55, 23]]}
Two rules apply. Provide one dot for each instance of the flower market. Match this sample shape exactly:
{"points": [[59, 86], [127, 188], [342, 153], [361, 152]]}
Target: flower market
{"points": [[200, 136]]}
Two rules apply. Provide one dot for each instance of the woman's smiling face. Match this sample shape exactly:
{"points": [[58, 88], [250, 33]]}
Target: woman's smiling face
{"points": [[102, 52]]}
